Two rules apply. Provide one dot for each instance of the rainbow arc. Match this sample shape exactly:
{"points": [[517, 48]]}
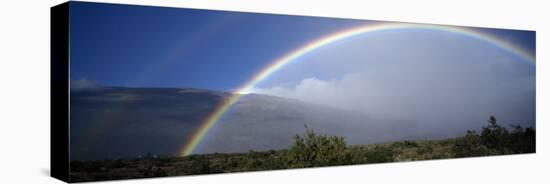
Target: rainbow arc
{"points": [[291, 56]]}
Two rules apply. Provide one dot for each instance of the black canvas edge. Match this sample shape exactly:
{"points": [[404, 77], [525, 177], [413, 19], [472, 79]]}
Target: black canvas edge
{"points": [[59, 92]]}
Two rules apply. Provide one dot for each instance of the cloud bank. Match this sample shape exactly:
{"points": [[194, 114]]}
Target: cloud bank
{"points": [[446, 82], [83, 84]]}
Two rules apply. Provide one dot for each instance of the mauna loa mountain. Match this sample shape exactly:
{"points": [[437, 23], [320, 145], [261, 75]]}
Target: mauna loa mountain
{"points": [[116, 122]]}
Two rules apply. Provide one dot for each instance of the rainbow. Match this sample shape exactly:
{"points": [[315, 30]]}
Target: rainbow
{"points": [[281, 62]]}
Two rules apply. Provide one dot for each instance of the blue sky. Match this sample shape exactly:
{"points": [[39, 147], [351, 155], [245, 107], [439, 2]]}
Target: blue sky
{"points": [[140, 46]]}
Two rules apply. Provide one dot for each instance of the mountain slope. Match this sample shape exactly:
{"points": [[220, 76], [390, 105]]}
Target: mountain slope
{"points": [[120, 122]]}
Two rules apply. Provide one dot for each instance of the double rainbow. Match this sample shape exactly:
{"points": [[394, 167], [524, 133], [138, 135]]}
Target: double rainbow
{"points": [[279, 63]]}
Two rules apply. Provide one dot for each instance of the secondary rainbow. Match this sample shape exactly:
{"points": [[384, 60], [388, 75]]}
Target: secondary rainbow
{"points": [[279, 63]]}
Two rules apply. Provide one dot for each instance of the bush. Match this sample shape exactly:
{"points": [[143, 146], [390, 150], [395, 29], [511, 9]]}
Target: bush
{"points": [[380, 154], [495, 140], [470, 145], [495, 136], [311, 150], [523, 140]]}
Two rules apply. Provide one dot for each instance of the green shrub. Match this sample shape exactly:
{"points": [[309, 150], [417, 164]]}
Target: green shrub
{"points": [[495, 136], [522, 140], [495, 140], [312, 150], [379, 154], [470, 145]]}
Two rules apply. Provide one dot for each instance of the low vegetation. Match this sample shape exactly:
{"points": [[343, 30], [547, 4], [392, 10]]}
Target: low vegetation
{"points": [[314, 150]]}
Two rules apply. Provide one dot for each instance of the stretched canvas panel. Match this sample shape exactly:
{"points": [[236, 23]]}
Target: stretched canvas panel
{"points": [[140, 91]]}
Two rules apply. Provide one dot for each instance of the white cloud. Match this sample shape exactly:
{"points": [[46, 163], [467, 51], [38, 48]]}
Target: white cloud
{"points": [[445, 81]]}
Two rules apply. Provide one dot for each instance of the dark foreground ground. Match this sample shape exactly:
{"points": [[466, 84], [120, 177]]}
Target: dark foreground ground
{"points": [[313, 150]]}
